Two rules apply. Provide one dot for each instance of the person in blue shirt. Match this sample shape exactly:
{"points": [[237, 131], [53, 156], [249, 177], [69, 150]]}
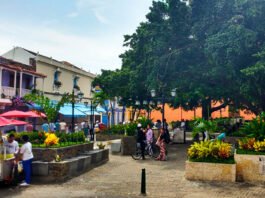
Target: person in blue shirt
{"points": [[45, 127], [57, 126]]}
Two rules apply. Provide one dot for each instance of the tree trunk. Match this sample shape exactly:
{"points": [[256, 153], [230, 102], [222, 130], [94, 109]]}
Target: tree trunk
{"points": [[206, 106], [133, 113]]}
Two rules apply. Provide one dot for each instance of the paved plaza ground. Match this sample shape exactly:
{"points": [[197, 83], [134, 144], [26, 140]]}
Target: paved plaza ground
{"points": [[120, 177]]}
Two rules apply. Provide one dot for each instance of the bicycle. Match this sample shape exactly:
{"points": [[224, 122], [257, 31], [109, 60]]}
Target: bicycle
{"points": [[151, 150]]}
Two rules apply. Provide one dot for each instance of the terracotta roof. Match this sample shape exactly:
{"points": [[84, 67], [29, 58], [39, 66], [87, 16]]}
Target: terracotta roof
{"points": [[10, 64]]}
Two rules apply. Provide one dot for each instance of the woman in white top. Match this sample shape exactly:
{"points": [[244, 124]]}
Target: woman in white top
{"points": [[27, 156]]}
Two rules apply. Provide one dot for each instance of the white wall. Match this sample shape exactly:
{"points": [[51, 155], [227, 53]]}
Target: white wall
{"points": [[19, 54]]}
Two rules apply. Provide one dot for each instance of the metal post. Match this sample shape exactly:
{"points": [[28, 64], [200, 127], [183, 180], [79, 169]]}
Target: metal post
{"points": [[163, 111], [143, 182], [73, 112]]}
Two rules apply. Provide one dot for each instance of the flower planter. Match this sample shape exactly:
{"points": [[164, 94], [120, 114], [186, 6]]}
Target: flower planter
{"points": [[48, 154], [210, 171], [128, 145], [249, 168]]}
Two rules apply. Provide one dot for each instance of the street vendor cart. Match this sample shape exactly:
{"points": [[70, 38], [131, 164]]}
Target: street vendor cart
{"points": [[6, 163]]}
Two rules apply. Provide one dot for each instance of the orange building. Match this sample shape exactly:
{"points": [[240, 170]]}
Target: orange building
{"points": [[179, 114]]}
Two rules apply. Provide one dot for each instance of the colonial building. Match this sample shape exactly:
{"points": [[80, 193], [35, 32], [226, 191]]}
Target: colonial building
{"points": [[62, 76], [16, 79]]}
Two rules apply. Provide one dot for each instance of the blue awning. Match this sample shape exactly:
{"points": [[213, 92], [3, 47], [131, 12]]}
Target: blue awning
{"points": [[33, 106], [101, 110], [86, 110], [66, 110]]}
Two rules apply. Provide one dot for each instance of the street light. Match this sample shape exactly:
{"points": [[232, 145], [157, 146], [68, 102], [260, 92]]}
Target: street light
{"points": [[137, 102], [173, 92], [153, 94], [80, 96]]}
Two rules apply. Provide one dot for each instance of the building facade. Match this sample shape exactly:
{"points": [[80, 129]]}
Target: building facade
{"points": [[17, 79], [62, 77]]}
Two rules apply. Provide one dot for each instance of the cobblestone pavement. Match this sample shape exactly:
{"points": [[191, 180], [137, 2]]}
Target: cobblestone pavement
{"points": [[120, 177]]}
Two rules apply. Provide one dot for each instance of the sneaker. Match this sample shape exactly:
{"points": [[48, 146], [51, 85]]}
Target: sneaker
{"points": [[24, 184]]}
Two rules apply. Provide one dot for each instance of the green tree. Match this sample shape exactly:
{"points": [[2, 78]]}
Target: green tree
{"points": [[51, 109]]}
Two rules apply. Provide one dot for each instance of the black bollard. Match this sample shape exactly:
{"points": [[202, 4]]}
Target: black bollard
{"points": [[143, 183]]}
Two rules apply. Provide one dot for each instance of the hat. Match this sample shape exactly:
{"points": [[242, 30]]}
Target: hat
{"points": [[139, 125]]}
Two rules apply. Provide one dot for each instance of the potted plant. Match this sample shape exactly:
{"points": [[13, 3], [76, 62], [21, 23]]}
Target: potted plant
{"points": [[57, 83], [210, 160], [250, 157]]}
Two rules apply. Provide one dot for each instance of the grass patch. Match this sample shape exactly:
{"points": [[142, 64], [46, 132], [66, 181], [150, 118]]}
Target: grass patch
{"points": [[229, 160], [248, 152]]}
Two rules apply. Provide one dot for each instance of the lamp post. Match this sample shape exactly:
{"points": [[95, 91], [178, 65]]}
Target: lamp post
{"points": [[93, 106], [163, 98], [80, 96]]}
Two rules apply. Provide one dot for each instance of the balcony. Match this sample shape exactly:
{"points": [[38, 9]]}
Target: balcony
{"points": [[8, 92], [24, 92]]}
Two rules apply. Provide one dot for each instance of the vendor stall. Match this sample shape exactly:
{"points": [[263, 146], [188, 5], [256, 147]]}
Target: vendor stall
{"points": [[6, 162]]}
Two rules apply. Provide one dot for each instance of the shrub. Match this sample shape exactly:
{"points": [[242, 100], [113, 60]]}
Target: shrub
{"points": [[259, 146], [39, 137], [145, 121], [207, 150], [119, 129], [255, 128], [246, 143]]}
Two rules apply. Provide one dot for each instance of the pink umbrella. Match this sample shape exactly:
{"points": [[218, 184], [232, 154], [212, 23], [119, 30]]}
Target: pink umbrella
{"points": [[35, 114], [4, 122], [7, 122], [18, 122], [16, 114]]}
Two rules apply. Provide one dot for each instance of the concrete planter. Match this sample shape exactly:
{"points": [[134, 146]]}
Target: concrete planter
{"points": [[48, 154], [128, 145], [105, 137], [46, 172], [250, 168], [210, 171]]}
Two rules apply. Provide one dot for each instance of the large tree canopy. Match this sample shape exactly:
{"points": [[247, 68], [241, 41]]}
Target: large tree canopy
{"points": [[210, 51]]}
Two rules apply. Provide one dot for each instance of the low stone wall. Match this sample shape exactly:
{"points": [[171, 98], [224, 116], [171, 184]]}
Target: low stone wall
{"points": [[210, 171], [232, 140], [48, 154], [249, 168], [128, 145], [105, 137], [47, 172]]}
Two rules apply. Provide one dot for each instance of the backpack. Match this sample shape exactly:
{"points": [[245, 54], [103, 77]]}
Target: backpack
{"points": [[167, 137]]}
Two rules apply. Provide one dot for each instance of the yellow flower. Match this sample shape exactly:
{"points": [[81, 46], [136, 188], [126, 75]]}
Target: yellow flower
{"points": [[51, 139]]}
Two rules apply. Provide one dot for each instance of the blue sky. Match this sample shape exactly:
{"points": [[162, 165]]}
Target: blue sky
{"points": [[87, 33]]}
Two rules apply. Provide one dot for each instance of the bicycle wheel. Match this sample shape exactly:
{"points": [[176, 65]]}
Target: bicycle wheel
{"points": [[137, 155], [156, 151]]}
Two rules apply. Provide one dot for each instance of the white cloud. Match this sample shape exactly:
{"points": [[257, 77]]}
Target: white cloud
{"points": [[98, 7], [90, 53], [72, 14]]}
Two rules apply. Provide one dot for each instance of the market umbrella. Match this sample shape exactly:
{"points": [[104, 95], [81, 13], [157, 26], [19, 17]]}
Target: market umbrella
{"points": [[7, 122], [16, 114], [35, 114], [18, 122], [4, 122]]}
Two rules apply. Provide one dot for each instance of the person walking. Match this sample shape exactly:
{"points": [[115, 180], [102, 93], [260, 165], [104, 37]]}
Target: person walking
{"points": [[63, 126], [162, 145], [141, 139], [149, 139], [27, 156], [57, 126]]}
